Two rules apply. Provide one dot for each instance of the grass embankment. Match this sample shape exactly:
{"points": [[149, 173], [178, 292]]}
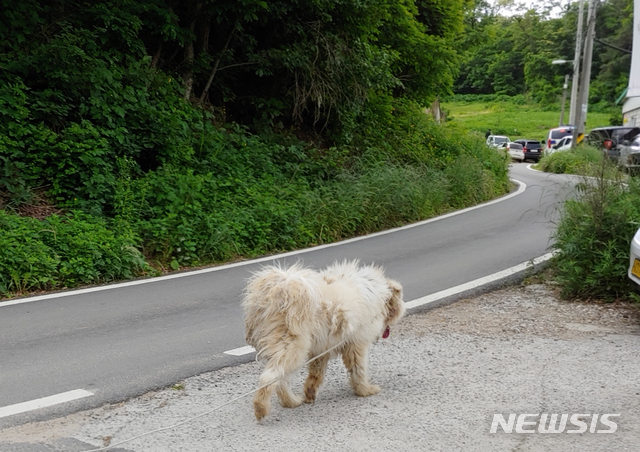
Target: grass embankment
{"points": [[513, 118]]}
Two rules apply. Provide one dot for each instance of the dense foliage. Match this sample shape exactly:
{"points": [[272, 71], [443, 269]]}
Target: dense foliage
{"points": [[513, 54], [63, 251], [185, 133], [594, 234]]}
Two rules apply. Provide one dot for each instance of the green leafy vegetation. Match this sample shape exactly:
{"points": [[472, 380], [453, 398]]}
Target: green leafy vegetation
{"points": [[593, 239], [241, 195], [63, 251], [594, 234], [149, 132], [512, 55], [584, 160]]}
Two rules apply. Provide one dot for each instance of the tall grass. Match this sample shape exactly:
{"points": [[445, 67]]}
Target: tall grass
{"points": [[585, 160], [594, 236], [275, 214]]}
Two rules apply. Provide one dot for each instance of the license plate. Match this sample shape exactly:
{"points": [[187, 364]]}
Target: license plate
{"points": [[635, 270]]}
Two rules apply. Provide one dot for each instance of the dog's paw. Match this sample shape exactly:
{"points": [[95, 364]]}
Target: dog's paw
{"points": [[260, 410], [310, 395], [367, 390]]}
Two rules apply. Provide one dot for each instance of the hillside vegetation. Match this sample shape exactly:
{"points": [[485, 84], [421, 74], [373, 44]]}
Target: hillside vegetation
{"points": [[138, 137], [118, 158]]}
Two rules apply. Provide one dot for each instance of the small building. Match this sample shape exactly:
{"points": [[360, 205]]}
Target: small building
{"points": [[631, 106]]}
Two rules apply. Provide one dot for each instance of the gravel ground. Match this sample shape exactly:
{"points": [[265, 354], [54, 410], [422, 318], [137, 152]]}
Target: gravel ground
{"points": [[444, 374]]}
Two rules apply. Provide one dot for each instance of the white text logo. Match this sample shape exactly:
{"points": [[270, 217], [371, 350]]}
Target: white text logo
{"points": [[555, 423]]}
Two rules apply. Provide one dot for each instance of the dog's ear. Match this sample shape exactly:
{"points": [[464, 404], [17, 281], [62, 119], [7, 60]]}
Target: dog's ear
{"points": [[395, 305]]}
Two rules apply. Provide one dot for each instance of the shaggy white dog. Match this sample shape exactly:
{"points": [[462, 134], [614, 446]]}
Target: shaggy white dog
{"points": [[293, 314]]}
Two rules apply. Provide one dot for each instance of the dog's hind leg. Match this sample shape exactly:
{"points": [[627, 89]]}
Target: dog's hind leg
{"points": [[262, 399], [317, 370], [278, 368], [354, 357]]}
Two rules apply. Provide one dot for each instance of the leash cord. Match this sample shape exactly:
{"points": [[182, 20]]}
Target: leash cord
{"points": [[186, 421]]}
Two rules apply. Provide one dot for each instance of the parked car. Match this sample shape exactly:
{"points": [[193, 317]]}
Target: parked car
{"points": [[496, 141], [555, 135], [563, 144], [634, 260], [630, 155], [514, 150], [532, 149], [610, 138]]}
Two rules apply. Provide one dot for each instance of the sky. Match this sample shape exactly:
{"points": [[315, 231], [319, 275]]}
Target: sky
{"points": [[513, 7]]}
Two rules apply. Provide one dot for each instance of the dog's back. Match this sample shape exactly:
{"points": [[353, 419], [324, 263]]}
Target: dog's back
{"points": [[279, 302]]}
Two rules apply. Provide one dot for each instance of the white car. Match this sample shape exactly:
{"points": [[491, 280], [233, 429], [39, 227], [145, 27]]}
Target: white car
{"points": [[496, 141], [634, 260], [555, 135], [514, 150], [563, 144]]}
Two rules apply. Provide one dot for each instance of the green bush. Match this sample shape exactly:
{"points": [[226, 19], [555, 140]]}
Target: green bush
{"points": [[63, 251], [583, 160], [244, 196], [593, 239]]}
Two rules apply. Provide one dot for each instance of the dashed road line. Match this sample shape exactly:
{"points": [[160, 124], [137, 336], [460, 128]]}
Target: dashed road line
{"points": [[240, 351], [31, 405]]}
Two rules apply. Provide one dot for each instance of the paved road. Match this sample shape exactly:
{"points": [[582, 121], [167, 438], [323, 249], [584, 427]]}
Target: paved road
{"points": [[124, 341], [444, 374]]}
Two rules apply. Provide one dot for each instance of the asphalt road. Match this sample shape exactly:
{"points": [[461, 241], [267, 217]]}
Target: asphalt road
{"points": [[128, 339]]}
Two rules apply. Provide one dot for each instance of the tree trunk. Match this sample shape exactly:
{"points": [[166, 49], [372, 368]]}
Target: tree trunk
{"points": [[215, 68], [190, 54], [188, 76], [156, 57]]}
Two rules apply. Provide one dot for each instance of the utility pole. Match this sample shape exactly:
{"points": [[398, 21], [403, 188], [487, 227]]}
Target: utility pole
{"points": [[564, 99], [583, 91], [575, 78]]}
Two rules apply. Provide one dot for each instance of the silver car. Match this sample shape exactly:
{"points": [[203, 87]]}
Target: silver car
{"points": [[630, 155]]}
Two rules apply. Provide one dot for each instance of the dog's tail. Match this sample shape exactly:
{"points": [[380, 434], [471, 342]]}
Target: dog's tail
{"points": [[280, 301]]}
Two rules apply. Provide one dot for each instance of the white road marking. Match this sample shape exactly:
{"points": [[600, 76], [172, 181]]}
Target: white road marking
{"points": [[522, 187], [240, 351], [477, 283], [44, 402]]}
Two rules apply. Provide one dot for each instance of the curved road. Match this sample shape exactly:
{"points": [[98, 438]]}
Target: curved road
{"points": [[126, 339]]}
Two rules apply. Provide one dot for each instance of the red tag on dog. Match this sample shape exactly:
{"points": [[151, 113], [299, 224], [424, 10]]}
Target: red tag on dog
{"points": [[386, 333]]}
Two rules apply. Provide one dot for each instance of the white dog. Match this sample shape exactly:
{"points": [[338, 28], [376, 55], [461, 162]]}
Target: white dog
{"points": [[293, 314]]}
